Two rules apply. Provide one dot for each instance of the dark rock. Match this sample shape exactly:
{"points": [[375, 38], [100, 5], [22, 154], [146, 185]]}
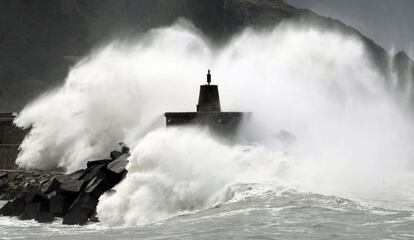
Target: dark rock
{"points": [[77, 216], [61, 178], [25, 184], [51, 186], [115, 178], [81, 210], [94, 172], [3, 175], [35, 203], [31, 211], [115, 154], [43, 182], [72, 176], [97, 187], [44, 217], [76, 175], [119, 164], [13, 208], [98, 162], [59, 204], [72, 185], [85, 200], [35, 196]]}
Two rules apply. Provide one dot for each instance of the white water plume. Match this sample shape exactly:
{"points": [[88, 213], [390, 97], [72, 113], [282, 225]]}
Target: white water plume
{"points": [[183, 169], [352, 135]]}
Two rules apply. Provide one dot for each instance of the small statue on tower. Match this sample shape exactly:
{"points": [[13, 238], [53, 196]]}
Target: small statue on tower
{"points": [[208, 77]]}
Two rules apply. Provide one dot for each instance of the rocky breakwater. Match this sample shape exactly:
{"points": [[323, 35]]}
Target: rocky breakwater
{"points": [[73, 196], [16, 182]]}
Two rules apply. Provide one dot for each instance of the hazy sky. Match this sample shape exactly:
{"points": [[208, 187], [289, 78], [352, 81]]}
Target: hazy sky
{"points": [[389, 22]]}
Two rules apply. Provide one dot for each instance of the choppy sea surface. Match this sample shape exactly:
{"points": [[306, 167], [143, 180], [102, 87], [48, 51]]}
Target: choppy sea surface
{"points": [[257, 211]]}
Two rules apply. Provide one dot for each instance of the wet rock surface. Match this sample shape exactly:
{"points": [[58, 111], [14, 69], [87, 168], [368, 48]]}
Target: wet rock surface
{"points": [[73, 197], [14, 183]]}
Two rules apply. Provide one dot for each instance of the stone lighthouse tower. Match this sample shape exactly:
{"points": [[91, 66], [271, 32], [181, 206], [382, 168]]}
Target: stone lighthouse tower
{"points": [[208, 100], [208, 113]]}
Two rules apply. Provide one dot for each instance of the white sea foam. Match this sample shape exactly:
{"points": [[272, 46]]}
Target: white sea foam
{"points": [[353, 136]]}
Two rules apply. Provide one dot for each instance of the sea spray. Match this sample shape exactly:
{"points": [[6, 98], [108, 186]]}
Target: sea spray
{"points": [[177, 170], [353, 137], [114, 95]]}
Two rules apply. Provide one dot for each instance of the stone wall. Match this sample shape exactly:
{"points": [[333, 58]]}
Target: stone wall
{"points": [[10, 139], [8, 155], [9, 133]]}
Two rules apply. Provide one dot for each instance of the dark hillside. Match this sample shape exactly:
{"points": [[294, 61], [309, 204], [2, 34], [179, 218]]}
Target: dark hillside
{"points": [[38, 38]]}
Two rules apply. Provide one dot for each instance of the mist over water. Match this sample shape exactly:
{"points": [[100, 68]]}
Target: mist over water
{"points": [[353, 136]]}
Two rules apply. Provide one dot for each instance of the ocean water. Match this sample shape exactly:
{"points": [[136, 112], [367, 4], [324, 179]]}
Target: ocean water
{"points": [[261, 211]]}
